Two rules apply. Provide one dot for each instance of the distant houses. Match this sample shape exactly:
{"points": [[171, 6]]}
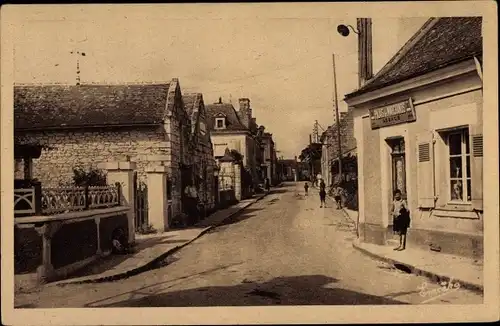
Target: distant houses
{"points": [[60, 128], [236, 129]]}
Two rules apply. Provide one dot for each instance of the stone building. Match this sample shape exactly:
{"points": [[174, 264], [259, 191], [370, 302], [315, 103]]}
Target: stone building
{"points": [[418, 127], [268, 152], [83, 125], [288, 169], [235, 130], [330, 147], [200, 145]]}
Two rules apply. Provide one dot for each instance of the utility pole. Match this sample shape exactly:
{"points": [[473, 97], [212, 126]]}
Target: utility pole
{"points": [[78, 54], [337, 118]]}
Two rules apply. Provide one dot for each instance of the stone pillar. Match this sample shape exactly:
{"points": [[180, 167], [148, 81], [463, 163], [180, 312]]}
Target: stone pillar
{"points": [[237, 181], [123, 173], [45, 271], [98, 225], [157, 197]]}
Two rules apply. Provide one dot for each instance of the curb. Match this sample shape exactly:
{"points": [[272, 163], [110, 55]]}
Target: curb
{"points": [[421, 272], [151, 264]]}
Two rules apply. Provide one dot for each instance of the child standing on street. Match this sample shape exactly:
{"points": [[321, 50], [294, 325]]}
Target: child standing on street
{"points": [[306, 188], [401, 219]]}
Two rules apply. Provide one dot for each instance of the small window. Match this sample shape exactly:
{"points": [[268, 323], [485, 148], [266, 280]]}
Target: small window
{"points": [[220, 123], [459, 166]]}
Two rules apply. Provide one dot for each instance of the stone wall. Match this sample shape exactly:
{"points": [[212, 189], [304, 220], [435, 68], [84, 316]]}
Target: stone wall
{"points": [[348, 142], [72, 149]]}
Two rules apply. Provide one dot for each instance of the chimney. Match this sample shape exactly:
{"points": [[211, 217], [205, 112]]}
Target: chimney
{"points": [[245, 112], [365, 55], [220, 100]]}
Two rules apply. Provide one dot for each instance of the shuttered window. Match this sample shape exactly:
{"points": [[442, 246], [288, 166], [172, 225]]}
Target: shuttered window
{"points": [[425, 170], [424, 152], [477, 145]]}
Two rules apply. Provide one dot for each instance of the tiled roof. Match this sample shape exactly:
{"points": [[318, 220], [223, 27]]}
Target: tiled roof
{"points": [[233, 122], [190, 101], [439, 43], [59, 106]]}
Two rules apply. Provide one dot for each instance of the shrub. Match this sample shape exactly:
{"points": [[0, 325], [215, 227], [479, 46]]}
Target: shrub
{"points": [[146, 229], [93, 177]]}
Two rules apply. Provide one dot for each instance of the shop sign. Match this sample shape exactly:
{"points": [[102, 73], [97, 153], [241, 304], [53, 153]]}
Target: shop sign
{"points": [[392, 114]]}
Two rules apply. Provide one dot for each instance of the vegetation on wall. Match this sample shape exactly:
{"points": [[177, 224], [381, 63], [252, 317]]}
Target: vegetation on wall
{"points": [[238, 158], [92, 177]]}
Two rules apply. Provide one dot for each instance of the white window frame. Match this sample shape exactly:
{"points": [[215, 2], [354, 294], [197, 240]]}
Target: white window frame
{"points": [[217, 123], [465, 137]]}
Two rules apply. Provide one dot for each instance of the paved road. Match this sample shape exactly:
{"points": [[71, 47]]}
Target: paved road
{"points": [[284, 250]]}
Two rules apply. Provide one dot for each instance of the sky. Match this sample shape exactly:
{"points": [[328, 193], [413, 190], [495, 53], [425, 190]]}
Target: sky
{"points": [[282, 63]]}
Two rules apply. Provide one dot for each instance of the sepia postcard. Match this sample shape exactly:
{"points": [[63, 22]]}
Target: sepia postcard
{"points": [[249, 163]]}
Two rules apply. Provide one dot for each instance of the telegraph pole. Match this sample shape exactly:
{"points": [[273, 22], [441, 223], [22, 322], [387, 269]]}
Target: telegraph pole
{"points": [[78, 55], [337, 118]]}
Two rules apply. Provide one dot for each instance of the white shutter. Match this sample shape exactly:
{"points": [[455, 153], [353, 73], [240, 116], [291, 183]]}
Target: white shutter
{"points": [[476, 169], [425, 170]]}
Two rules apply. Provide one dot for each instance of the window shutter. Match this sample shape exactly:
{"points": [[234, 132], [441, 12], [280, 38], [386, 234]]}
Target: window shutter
{"points": [[425, 170], [476, 140]]}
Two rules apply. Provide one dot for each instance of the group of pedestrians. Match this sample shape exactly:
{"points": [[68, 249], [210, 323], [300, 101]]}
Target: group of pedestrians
{"points": [[337, 193], [400, 211]]}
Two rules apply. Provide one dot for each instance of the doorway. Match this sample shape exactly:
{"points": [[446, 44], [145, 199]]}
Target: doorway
{"points": [[398, 165]]}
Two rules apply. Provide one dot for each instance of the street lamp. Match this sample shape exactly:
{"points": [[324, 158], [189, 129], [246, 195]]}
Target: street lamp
{"points": [[344, 30]]}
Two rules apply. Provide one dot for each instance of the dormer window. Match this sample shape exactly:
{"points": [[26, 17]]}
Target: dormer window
{"points": [[220, 123]]}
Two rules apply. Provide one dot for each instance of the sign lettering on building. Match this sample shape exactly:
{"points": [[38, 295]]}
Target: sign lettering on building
{"points": [[392, 114]]}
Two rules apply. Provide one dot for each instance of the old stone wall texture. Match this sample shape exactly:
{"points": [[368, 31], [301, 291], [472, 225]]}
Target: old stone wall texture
{"points": [[86, 149]]}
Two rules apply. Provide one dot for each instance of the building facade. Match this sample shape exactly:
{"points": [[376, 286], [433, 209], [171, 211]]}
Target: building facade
{"points": [[235, 130], [418, 127], [80, 126], [330, 147], [268, 165], [201, 150]]}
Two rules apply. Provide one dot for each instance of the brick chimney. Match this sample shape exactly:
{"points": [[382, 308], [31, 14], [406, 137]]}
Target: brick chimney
{"points": [[365, 59], [245, 112]]}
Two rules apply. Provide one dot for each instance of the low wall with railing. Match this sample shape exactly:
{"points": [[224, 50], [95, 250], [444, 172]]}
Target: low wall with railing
{"points": [[58, 245], [60, 230], [33, 199]]}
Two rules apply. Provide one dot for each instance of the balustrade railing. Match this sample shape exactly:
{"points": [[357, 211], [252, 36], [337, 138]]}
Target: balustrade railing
{"points": [[24, 201], [65, 199]]}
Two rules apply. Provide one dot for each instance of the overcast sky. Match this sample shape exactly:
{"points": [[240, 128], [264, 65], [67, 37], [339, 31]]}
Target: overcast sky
{"points": [[283, 62]]}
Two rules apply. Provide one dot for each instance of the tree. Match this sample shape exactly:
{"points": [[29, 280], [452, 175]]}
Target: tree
{"points": [[238, 158], [311, 153]]}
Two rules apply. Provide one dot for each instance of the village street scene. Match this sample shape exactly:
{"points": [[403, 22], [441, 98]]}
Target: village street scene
{"points": [[232, 177]]}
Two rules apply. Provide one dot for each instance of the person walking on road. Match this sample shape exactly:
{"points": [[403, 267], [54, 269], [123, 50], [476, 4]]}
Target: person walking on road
{"points": [[322, 193], [267, 185], [401, 219], [306, 188], [337, 195]]}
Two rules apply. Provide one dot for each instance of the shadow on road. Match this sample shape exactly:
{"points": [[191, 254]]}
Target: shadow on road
{"points": [[296, 290], [107, 263], [278, 191], [247, 213]]}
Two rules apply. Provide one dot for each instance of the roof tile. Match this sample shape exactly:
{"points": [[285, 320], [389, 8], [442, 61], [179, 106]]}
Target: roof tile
{"points": [[56, 106], [233, 122], [450, 40]]}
